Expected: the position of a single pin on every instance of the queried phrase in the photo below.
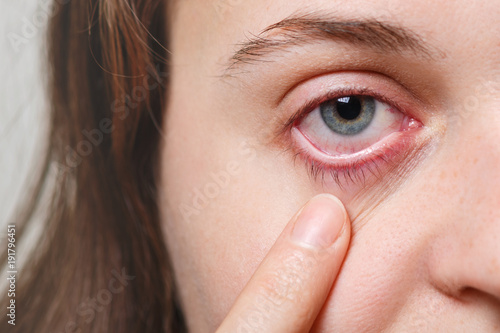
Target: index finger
(291, 284)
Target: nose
(468, 257)
(465, 256)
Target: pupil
(348, 108)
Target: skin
(424, 251)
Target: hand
(291, 284)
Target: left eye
(349, 124)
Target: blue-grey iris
(348, 115)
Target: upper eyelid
(375, 84)
(413, 94)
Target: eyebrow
(305, 29)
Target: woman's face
(258, 124)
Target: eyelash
(353, 172)
(348, 172)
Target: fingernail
(320, 222)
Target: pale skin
(418, 249)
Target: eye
(354, 127)
(349, 124)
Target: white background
(23, 107)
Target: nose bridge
(468, 255)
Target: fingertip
(321, 222)
(336, 201)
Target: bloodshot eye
(348, 115)
(347, 125)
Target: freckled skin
(426, 234)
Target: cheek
(225, 200)
(379, 272)
(385, 277)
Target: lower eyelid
(303, 141)
(356, 167)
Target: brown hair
(101, 265)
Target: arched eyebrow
(306, 29)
